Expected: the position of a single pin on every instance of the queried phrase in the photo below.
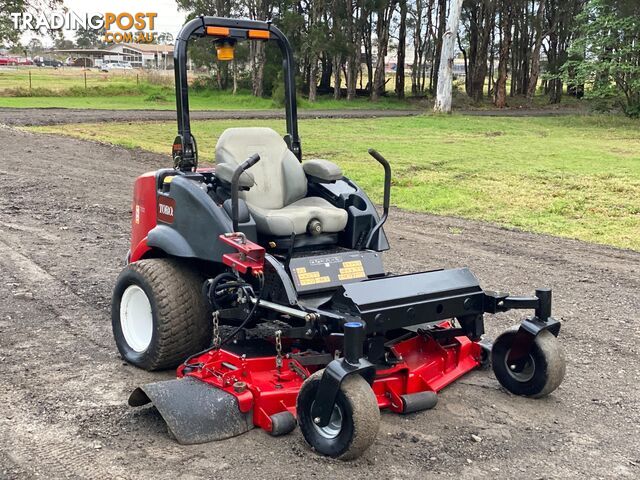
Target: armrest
(322, 171)
(224, 171)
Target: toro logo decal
(166, 209)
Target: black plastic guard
(194, 411)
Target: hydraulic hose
(231, 282)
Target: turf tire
(181, 324)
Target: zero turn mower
(262, 280)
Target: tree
(62, 43)
(402, 41)
(506, 22)
(165, 38)
(88, 37)
(445, 71)
(8, 33)
(608, 44)
(313, 45)
(35, 46)
(384, 13)
(435, 65)
(560, 21)
(535, 56)
(353, 33)
(258, 10)
(481, 18)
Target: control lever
(235, 186)
(387, 196)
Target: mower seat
(278, 200)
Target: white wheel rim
(136, 318)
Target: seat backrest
(279, 177)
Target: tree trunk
(481, 23)
(234, 67)
(535, 57)
(354, 34)
(257, 71)
(313, 80)
(337, 76)
(382, 32)
(442, 15)
(368, 50)
(492, 56)
(445, 71)
(258, 10)
(327, 72)
(417, 51)
(505, 45)
(402, 39)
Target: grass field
(65, 88)
(576, 177)
(197, 101)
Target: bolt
(316, 420)
(239, 387)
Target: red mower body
(143, 214)
(263, 388)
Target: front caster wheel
(541, 374)
(354, 422)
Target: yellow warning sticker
(353, 263)
(312, 278)
(351, 270)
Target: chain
(278, 349)
(216, 330)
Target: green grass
(65, 88)
(575, 176)
(197, 101)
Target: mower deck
(263, 389)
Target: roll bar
(185, 152)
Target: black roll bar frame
(184, 149)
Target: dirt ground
(64, 228)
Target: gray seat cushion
(322, 169)
(295, 218)
(278, 200)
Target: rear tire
(158, 314)
(354, 424)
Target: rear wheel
(542, 372)
(158, 314)
(354, 422)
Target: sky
(169, 18)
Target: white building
(139, 55)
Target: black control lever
(387, 196)
(235, 187)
